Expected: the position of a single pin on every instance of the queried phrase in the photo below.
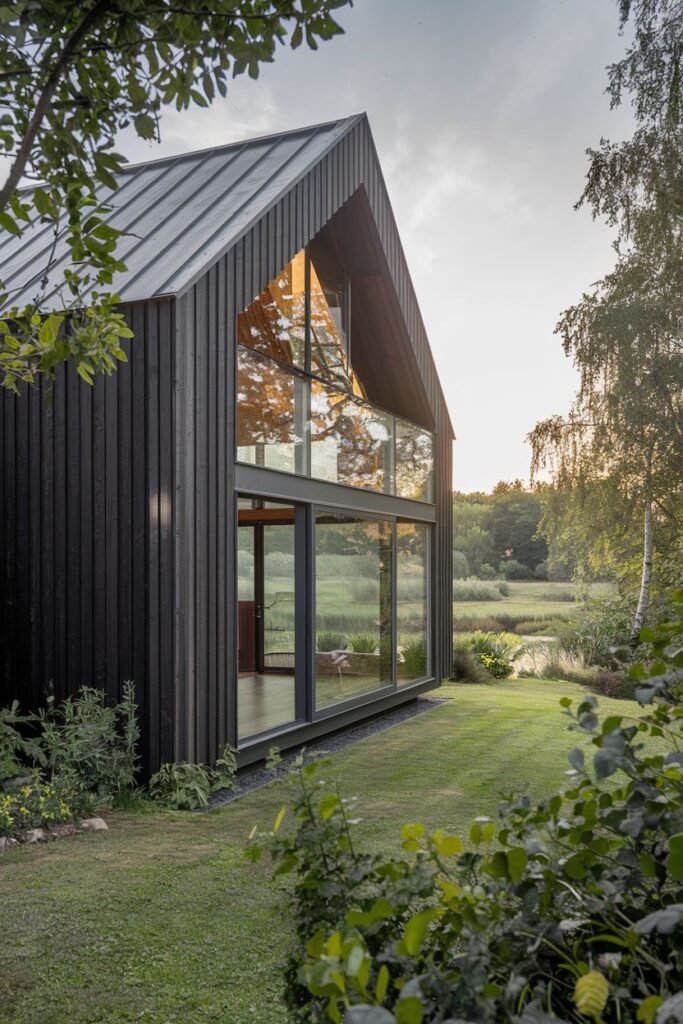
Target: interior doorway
(267, 610)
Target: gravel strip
(255, 776)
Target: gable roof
(180, 214)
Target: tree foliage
(71, 77)
(566, 909)
(489, 530)
(619, 451)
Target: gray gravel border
(256, 776)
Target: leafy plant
(34, 804)
(414, 654)
(181, 785)
(363, 643)
(91, 743)
(273, 758)
(467, 668)
(15, 748)
(225, 769)
(564, 909)
(494, 652)
(330, 642)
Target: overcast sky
(481, 111)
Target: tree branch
(44, 100)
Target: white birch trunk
(644, 597)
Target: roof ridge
(336, 121)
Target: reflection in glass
(414, 461)
(329, 320)
(274, 323)
(352, 607)
(270, 415)
(266, 589)
(350, 441)
(412, 609)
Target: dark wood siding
(86, 549)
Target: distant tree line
(495, 535)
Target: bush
(598, 633)
(362, 643)
(562, 910)
(475, 590)
(414, 655)
(541, 571)
(487, 572)
(33, 803)
(181, 785)
(493, 651)
(15, 749)
(467, 668)
(330, 642)
(461, 566)
(504, 589)
(92, 744)
(511, 569)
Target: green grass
(161, 919)
(530, 600)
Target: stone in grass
(94, 825)
(34, 835)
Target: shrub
(34, 804)
(15, 749)
(504, 589)
(598, 633)
(414, 655)
(330, 642)
(475, 590)
(181, 785)
(487, 572)
(493, 652)
(362, 643)
(564, 909)
(92, 744)
(541, 571)
(467, 668)
(511, 569)
(461, 566)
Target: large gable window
(300, 409)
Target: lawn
(161, 919)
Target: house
(251, 518)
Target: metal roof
(180, 214)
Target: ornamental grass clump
(568, 909)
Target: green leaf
(8, 223)
(409, 1010)
(674, 861)
(416, 930)
(328, 805)
(517, 862)
(278, 821)
(381, 984)
(647, 1010)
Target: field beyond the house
(162, 920)
(530, 607)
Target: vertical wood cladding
(86, 549)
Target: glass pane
(350, 441)
(353, 607)
(270, 414)
(266, 617)
(274, 322)
(414, 462)
(329, 316)
(412, 611)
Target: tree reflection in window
(414, 461)
(274, 323)
(270, 415)
(350, 442)
(329, 320)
